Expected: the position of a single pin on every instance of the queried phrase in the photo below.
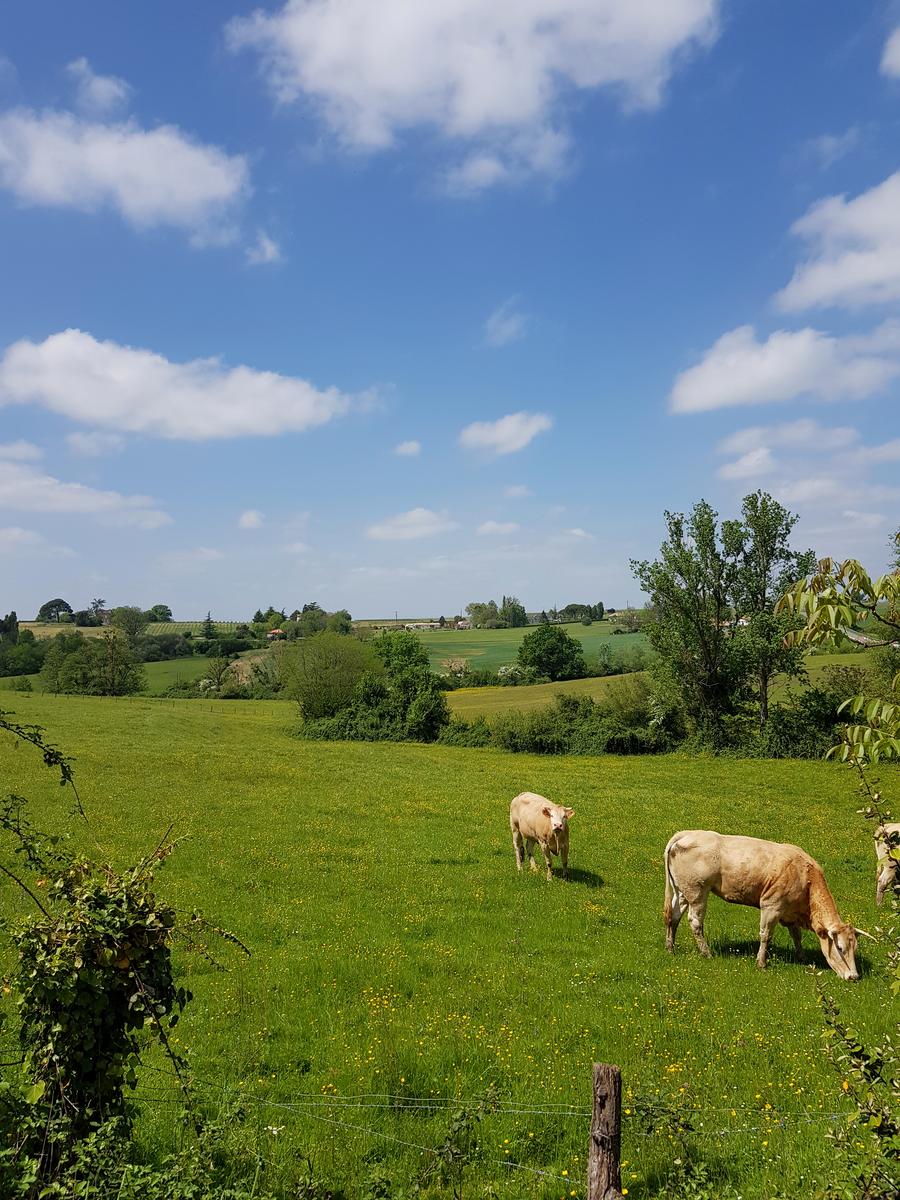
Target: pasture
(492, 648)
(400, 965)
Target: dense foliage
(550, 652)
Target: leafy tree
(545, 620)
(53, 609)
(321, 672)
(60, 647)
(691, 628)
(9, 629)
(339, 622)
(130, 620)
(159, 613)
(258, 617)
(218, 669)
(208, 629)
(480, 614)
(100, 666)
(98, 604)
(512, 611)
(312, 620)
(86, 618)
(550, 651)
(598, 611)
(766, 568)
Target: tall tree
(549, 650)
(512, 611)
(691, 624)
(52, 610)
(159, 612)
(9, 629)
(130, 620)
(766, 567)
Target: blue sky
(581, 261)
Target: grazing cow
(782, 881)
(533, 818)
(888, 867)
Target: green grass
(488, 701)
(193, 627)
(395, 949)
(493, 648)
(159, 675)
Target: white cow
(887, 836)
(782, 881)
(532, 818)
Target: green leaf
(35, 1092)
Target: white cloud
(252, 518)
(579, 533)
(890, 59)
(739, 370)
(97, 95)
(493, 78)
(14, 537)
(264, 250)
(855, 247)
(804, 434)
(26, 489)
(749, 466)
(417, 523)
(150, 177)
(505, 324)
(884, 453)
(866, 520)
(490, 528)
(20, 451)
(137, 391)
(408, 449)
(506, 435)
(517, 491)
(91, 445)
(828, 148)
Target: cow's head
(559, 816)
(839, 947)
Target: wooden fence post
(604, 1177)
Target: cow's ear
(570, 812)
(546, 811)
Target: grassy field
(489, 701)
(492, 648)
(159, 675)
(400, 964)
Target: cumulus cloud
(493, 78)
(750, 465)
(804, 434)
(20, 451)
(506, 435)
(579, 533)
(505, 324)
(855, 251)
(14, 537)
(136, 391)
(739, 370)
(251, 518)
(92, 445)
(407, 526)
(264, 250)
(150, 177)
(890, 59)
(97, 95)
(25, 488)
(491, 528)
(408, 449)
(517, 491)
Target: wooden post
(604, 1177)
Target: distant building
(423, 625)
(463, 624)
(275, 633)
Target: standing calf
(782, 881)
(533, 818)
(887, 837)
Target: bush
(458, 732)
(549, 650)
(321, 672)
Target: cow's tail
(672, 905)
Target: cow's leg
(768, 919)
(518, 848)
(529, 850)
(564, 859)
(696, 916)
(885, 879)
(797, 934)
(548, 860)
(673, 911)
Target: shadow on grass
(749, 947)
(588, 878)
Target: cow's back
(740, 869)
(526, 813)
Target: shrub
(549, 650)
(321, 672)
(458, 732)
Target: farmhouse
(423, 625)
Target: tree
(9, 629)
(480, 614)
(98, 604)
(159, 613)
(259, 617)
(129, 620)
(598, 611)
(442, 621)
(766, 568)
(691, 628)
(217, 670)
(208, 628)
(339, 622)
(86, 618)
(53, 609)
(101, 666)
(552, 652)
(321, 672)
(512, 611)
